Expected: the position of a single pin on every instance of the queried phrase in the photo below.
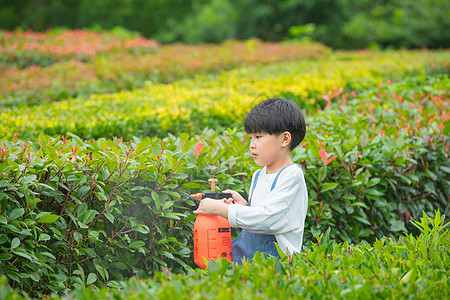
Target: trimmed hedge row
(392, 146)
(39, 68)
(215, 101)
(75, 213)
(389, 269)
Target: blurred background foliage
(343, 24)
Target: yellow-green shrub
(216, 101)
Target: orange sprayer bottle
(212, 233)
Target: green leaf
(365, 232)
(15, 243)
(362, 220)
(445, 169)
(22, 253)
(41, 214)
(212, 266)
(33, 201)
(43, 237)
(82, 225)
(374, 192)
(326, 186)
(78, 236)
(192, 185)
(173, 194)
(337, 208)
(146, 199)
(361, 204)
(89, 216)
(138, 188)
(45, 185)
(279, 267)
(161, 262)
(166, 254)
(48, 219)
(35, 276)
(349, 197)
(49, 255)
(406, 277)
(13, 276)
(16, 213)
(180, 176)
(83, 190)
(3, 238)
(92, 277)
(171, 216)
(142, 229)
(6, 256)
(280, 252)
(110, 218)
(156, 149)
(373, 181)
(136, 244)
(405, 179)
(102, 271)
(155, 197)
(398, 225)
(168, 204)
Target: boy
(278, 200)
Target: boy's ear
(286, 139)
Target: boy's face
(265, 148)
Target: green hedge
(410, 267)
(216, 101)
(392, 147)
(75, 213)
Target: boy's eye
(255, 136)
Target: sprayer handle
(217, 196)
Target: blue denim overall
(248, 243)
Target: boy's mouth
(254, 155)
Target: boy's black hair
(275, 116)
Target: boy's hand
(238, 199)
(210, 206)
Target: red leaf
(330, 159)
(323, 155)
(198, 148)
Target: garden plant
(94, 188)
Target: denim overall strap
(254, 184)
(274, 181)
(278, 175)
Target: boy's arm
(210, 206)
(220, 207)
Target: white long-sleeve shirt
(280, 212)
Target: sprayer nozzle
(198, 196)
